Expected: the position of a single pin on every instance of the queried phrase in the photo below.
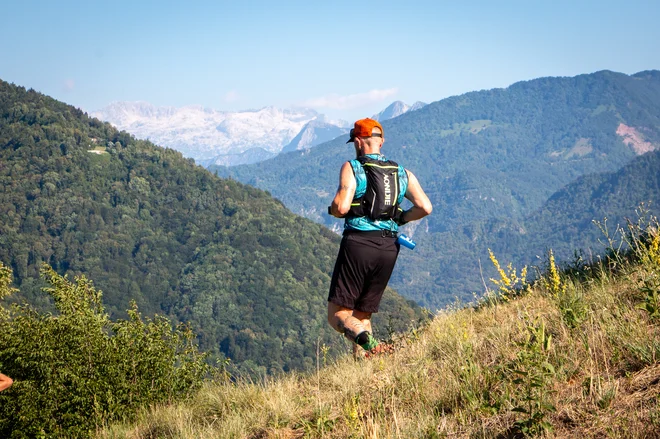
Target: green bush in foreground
(77, 370)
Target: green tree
(77, 369)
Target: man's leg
(352, 324)
(342, 320)
(365, 319)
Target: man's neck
(367, 151)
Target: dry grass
(460, 377)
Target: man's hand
(330, 212)
(398, 217)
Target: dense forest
(590, 210)
(487, 160)
(145, 224)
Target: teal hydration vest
(387, 183)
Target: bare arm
(5, 382)
(421, 204)
(341, 204)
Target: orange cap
(364, 128)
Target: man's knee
(362, 315)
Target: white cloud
(337, 102)
(232, 96)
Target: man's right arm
(341, 204)
(421, 204)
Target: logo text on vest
(388, 190)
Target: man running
(370, 191)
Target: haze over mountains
(224, 138)
(489, 160)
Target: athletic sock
(366, 340)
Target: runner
(371, 188)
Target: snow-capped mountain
(205, 134)
(395, 109)
(316, 132)
(213, 137)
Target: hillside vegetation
(147, 225)
(566, 220)
(77, 369)
(488, 160)
(575, 355)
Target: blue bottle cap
(406, 242)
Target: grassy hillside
(145, 224)
(488, 155)
(573, 356)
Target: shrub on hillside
(78, 369)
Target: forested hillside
(610, 198)
(575, 222)
(487, 159)
(143, 223)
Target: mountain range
(225, 138)
(396, 109)
(315, 132)
(489, 161)
(203, 133)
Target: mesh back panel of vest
(380, 200)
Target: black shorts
(363, 269)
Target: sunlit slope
(574, 356)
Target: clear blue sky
(346, 59)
